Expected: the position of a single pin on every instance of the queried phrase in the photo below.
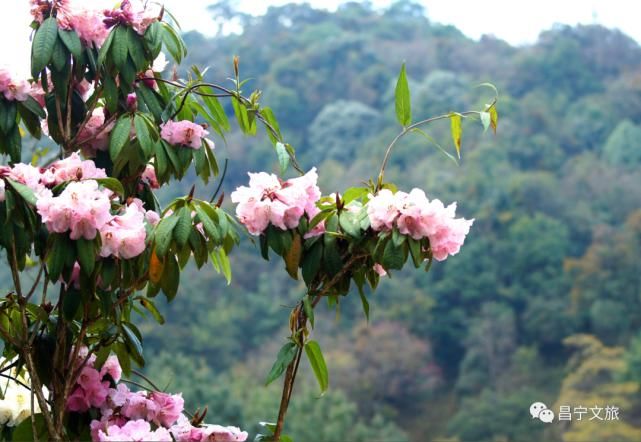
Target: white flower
(15, 400)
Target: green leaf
(163, 234)
(86, 255)
(8, 114)
(24, 431)
(25, 192)
(457, 132)
(104, 49)
(136, 50)
(72, 42)
(364, 303)
(225, 264)
(283, 157)
(494, 118)
(142, 133)
(208, 224)
(43, 44)
(486, 120)
(403, 107)
(119, 136)
(270, 118)
(350, 224)
(56, 258)
(111, 184)
(285, 356)
(170, 278)
(354, 193)
(317, 361)
(415, 251)
(312, 262)
(123, 357)
(71, 304)
(216, 109)
(133, 343)
(149, 305)
(393, 256)
(183, 226)
(60, 56)
(34, 107)
(120, 47)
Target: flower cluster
(125, 415)
(15, 401)
(183, 133)
(13, 89)
(124, 236)
(135, 13)
(281, 203)
(84, 208)
(414, 215)
(87, 22)
(92, 24)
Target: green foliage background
(542, 304)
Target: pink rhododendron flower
(83, 208)
(95, 135)
(414, 215)
(32, 177)
(112, 368)
(134, 430)
(133, 13)
(12, 88)
(268, 200)
(380, 270)
(183, 431)
(149, 176)
(124, 236)
(78, 401)
(73, 168)
(88, 22)
(183, 133)
(169, 409)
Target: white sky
(516, 21)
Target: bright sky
(518, 22)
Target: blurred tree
(623, 146)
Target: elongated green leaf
(86, 255)
(208, 224)
(120, 47)
(283, 359)
(149, 305)
(415, 251)
(136, 50)
(119, 136)
(183, 226)
(494, 118)
(32, 105)
(142, 133)
(25, 192)
(216, 109)
(8, 114)
(170, 278)
(104, 49)
(283, 157)
(403, 106)
(270, 118)
(71, 303)
(163, 234)
(133, 343)
(393, 257)
(457, 132)
(56, 258)
(225, 264)
(312, 262)
(317, 361)
(72, 42)
(43, 44)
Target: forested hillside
(542, 304)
